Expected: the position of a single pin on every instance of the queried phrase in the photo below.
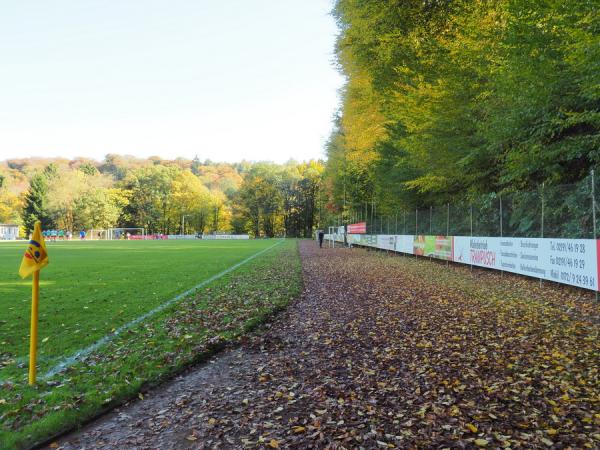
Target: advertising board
(358, 228)
(567, 261)
(386, 241)
(433, 246)
(405, 243)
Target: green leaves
(447, 99)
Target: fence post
(500, 196)
(430, 219)
(448, 229)
(430, 225)
(594, 214)
(471, 208)
(372, 207)
(416, 226)
(396, 226)
(416, 221)
(542, 224)
(404, 227)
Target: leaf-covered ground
(388, 352)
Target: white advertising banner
(405, 243)
(386, 242)
(567, 261)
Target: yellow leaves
(191, 437)
(454, 411)
(472, 428)
(45, 339)
(273, 443)
(299, 429)
(212, 421)
(480, 442)
(551, 431)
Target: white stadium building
(8, 232)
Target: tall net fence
(562, 211)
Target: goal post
(96, 234)
(110, 234)
(126, 233)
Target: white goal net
(126, 233)
(111, 234)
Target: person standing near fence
(321, 236)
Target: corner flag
(36, 256)
(34, 259)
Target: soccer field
(91, 288)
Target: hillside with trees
(262, 199)
(446, 101)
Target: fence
(549, 233)
(563, 211)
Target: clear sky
(226, 80)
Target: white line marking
(66, 362)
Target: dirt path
(393, 358)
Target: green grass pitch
(90, 288)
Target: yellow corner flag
(36, 255)
(34, 259)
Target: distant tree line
(262, 199)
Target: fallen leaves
(472, 428)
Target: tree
(260, 200)
(149, 192)
(35, 204)
(192, 199)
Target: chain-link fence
(563, 211)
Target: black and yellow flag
(36, 255)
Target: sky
(225, 80)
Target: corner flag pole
(35, 298)
(34, 259)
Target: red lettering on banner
(483, 257)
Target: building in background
(8, 232)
